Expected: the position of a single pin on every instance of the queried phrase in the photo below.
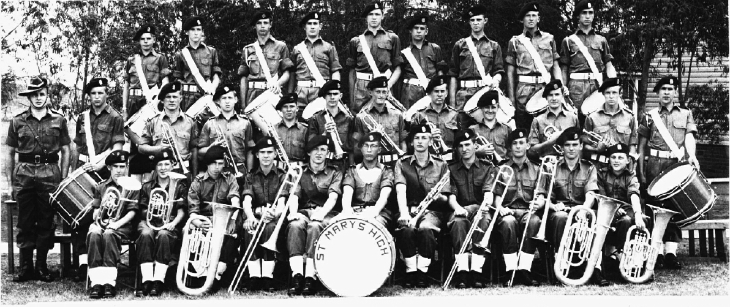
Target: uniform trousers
(512, 226)
(302, 233)
(410, 94)
(261, 252)
(33, 186)
(105, 245)
(654, 166)
(421, 239)
(459, 228)
(306, 95)
(579, 91)
(156, 245)
(523, 93)
(359, 96)
(462, 95)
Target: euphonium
(291, 180)
(112, 203)
(584, 240)
(335, 136)
(640, 253)
(159, 209)
(505, 173)
(376, 127)
(201, 250)
(167, 137)
(228, 154)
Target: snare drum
(683, 189)
(263, 108)
(354, 256)
(592, 103)
(72, 200)
(203, 109)
(135, 125)
(537, 104)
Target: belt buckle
(37, 159)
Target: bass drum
(354, 256)
(72, 200)
(683, 189)
(505, 113)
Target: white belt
(582, 76)
(599, 158)
(257, 84)
(83, 158)
(388, 158)
(532, 79)
(663, 154)
(186, 163)
(135, 92)
(473, 83)
(311, 83)
(368, 77)
(189, 88)
(413, 81)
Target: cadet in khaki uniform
(467, 79)
(556, 116)
(324, 56)
(442, 116)
(384, 46)
(278, 62)
(681, 126)
(155, 70)
(612, 122)
(491, 129)
(428, 57)
(342, 123)
(292, 133)
(205, 59)
(415, 176)
(311, 211)
(390, 118)
(524, 77)
(36, 135)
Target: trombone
(376, 127)
(228, 155)
(430, 197)
(167, 137)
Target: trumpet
(201, 250)
(228, 155)
(291, 180)
(597, 138)
(376, 127)
(430, 197)
(584, 240)
(111, 207)
(395, 103)
(280, 152)
(167, 137)
(640, 253)
(439, 146)
(506, 173)
(160, 204)
(482, 141)
(335, 136)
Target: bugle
(640, 253)
(482, 141)
(335, 136)
(280, 152)
(112, 203)
(228, 154)
(395, 103)
(161, 202)
(439, 145)
(430, 197)
(376, 127)
(506, 173)
(597, 138)
(167, 138)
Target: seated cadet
(514, 210)
(385, 114)
(575, 185)
(443, 117)
(367, 185)
(259, 204)
(105, 243)
(613, 123)
(541, 144)
(415, 176)
(292, 133)
(216, 186)
(491, 129)
(618, 181)
(155, 246)
(311, 211)
(468, 178)
(338, 122)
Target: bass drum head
(354, 257)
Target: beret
(222, 90)
(611, 82)
(117, 156)
(415, 129)
(378, 82)
(516, 134)
(474, 11)
(570, 134)
(287, 98)
(165, 154)
(490, 98)
(170, 87)
(555, 84)
(463, 135)
(375, 5)
(214, 153)
(192, 22)
(370, 137)
(96, 82)
(144, 29)
(265, 142)
(319, 140)
(417, 20)
(671, 80)
(35, 85)
(262, 14)
(308, 17)
(436, 81)
(528, 7)
(582, 5)
(331, 85)
(618, 148)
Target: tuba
(159, 210)
(201, 250)
(639, 258)
(506, 173)
(111, 207)
(167, 137)
(335, 136)
(291, 180)
(376, 127)
(228, 155)
(582, 241)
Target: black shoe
(24, 275)
(267, 284)
(157, 286)
(671, 262)
(477, 280)
(460, 280)
(659, 262)
(297, 281)
(509, 277)
(43, 274)
(110, 291)
(97, 291)
(146, 287)
(525, 278)
(422, 280)
(410, 280)
(254, 284)
(598, 279)
(80, 273)
(309, 286)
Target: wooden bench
(712, 229)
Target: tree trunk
(649, 50)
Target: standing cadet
(105, 241)
(532, 61)
(156, 247)
(36, 135)
(172, 125)
(259, 204)
(584, 57)
(332, 120)
(469, 178)
(315, 62)
(311, 210)
(415, 176)
(491, 129)
(256, 78)
(470, 75)
(102, 127)
(374, 53)
(237, 130)
(385, 115)
(612, 123)
(196, 65)
(556, 117)
(144, 74)
(680, 125)
(292, 133)
(423, 60)
(442, 116)
(515, 209)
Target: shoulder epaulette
(303, 124)
(627, 109)
(437, 158)
(199, 176)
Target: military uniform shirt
(429, 57)
(367, 193)
(315, 187)
(390, 118)
(597, 46)
(465, 68)
(325, 58)
(238, 133)
(46, 136)
(521, 189)
(345, 127)
(420, 180)
(618, 126)
(263, 187)
(277, 60)
(294, 140)
(518, 56)
(155, 68)
(570, 187)
(384, 46)
(204, 57)
(107, 129)
(620, 187)
(183, 130)
(446, 120)
(469, 182)
(679, 121)
(206, 189)
(562, 120)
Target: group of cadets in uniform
(370, 177)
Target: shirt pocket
(678, 129)
(384, 51)
(26, 137)
(596, 51)
(545, 50)
(430, 64)
(624, 132)
(528, 186)
(323, 184)
(205, 63)
(487, 55)
(153, 72)
(579, 188)
(103, 133)
(466, 60)
(272, 60)
(253, 64)
(51, 135)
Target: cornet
(111, 207)
(159, 210)
(228, 154)
(482, 141)
(439, 146)
(376, 127)
(335, 136)
(280, 152)
(640, 253)
(597, 138)
(167, 137)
